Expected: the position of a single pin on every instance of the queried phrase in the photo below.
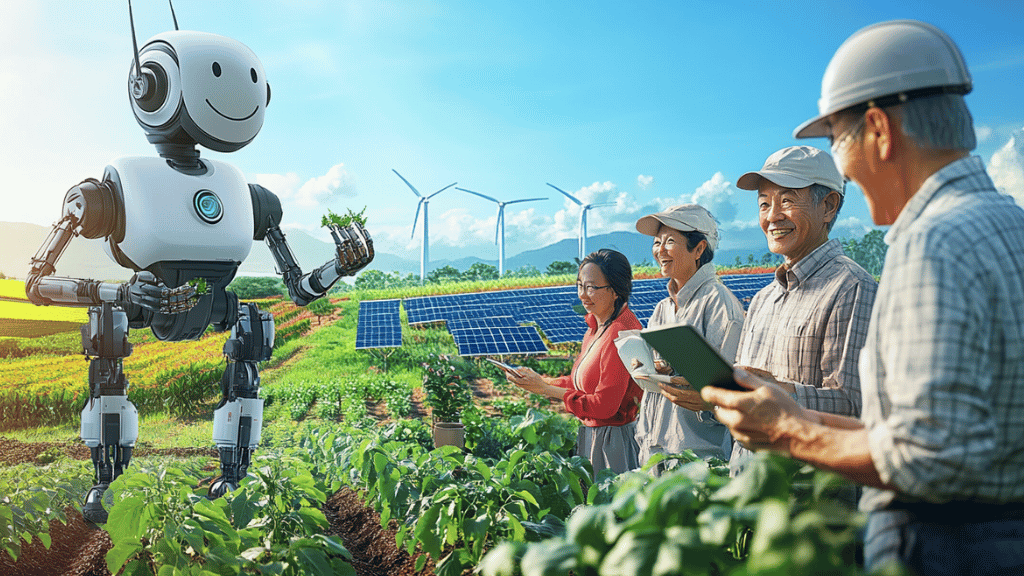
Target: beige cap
(796, 167)
(685, 218)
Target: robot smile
(251, 114)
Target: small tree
(321, 307)
(444, 275)
(248, 287)
(560, 267)
(446, 382)
(480, 271)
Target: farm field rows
(347, 479)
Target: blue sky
(645, 104)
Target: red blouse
(603, 394)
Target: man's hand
(682, 394)
(147, 291)
(761, 419)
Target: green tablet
(690, 355)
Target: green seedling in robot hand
(345, 220)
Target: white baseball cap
(684, 218)
(796, 167)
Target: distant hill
(87, 259)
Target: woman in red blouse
(599, 391)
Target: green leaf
(120, 553)
(550, 558)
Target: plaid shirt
(943, 366)
(808, 327)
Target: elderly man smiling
(805, 330)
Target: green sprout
(199, 284)
(342, 221)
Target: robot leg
(110, 423)
(238, 419)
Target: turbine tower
(499, 228)
(424, 201)
(583, 217)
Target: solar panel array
(379, 325)
(744, 286)
(485, 323)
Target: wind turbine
(424, 201)
(583, 217)
(499, 228)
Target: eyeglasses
(840, 143)
(589, 289)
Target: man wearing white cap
(805, 330)
(940, 445)
(685, 238)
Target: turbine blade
(567, 195)
(479, 194)
(416, 217)
(524, 200)
(413, 188)
(498, 223)
(442, 190)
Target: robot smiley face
(218, 88)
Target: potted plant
(446, 383)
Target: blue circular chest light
(208, 206)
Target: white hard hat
(885, 64)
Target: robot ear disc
(268, 93)
(154, 93)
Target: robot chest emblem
(208, 206)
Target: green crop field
(515, 500)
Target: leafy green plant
(446, 382)
(344, 220)
(694, 520)
(30, 497)
(272, 524)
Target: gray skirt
(609, 447)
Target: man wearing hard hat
(940, 443)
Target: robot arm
(353, 243)
(93, 210)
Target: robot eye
(216, 69)
(252, 72)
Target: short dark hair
(616, 269)
(818, 194)
(693, 238)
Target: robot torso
(170, 216)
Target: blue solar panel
(500, 340)
(559, 329)
(379, 325)
(488, 322)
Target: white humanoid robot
(175, 219)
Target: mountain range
(86, 258)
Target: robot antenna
(173, 17)
(138, 80)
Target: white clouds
(317, 191)
(717, 196)
(644, 182)
(1007, 167)
(982, 133)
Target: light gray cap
(684, 218)
(796, 167)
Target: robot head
(198, 88)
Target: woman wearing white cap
(685, 238)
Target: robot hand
(146, 291)
(355, 248)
